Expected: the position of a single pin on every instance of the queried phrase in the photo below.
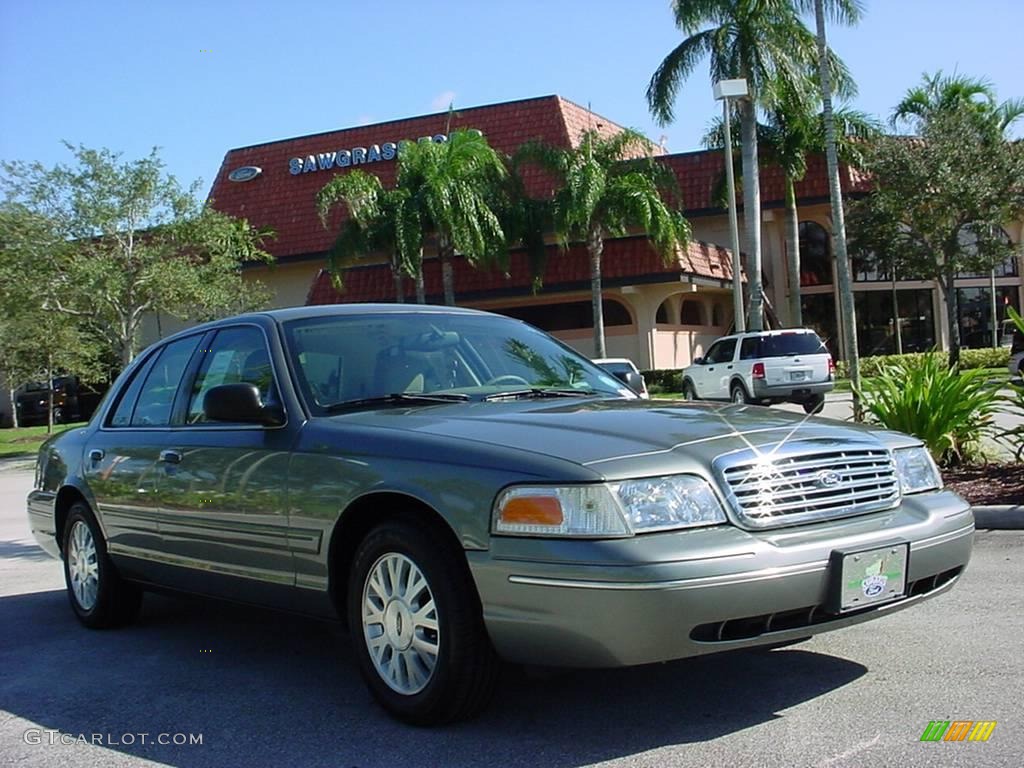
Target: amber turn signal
(532, 510)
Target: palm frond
(676, 67)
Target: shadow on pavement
(265, 688)
(22, 551)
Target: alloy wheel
(83, 566)
(400, 624)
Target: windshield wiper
(399, 397)
(526, 394)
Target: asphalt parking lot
(263, 689)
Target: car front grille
(808, 481)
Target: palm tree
(605, 193)
(380, 221)
(848, 12)
(452, 191)
(792, 130)
(941, 94)
(756, 41)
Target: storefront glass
(876, 333)
(976, 313)
(819, 314)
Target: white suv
(787, 366)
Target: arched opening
(568, 315)
(691, 312)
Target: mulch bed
(987, 483)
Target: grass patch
(25, 441)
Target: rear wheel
(738, 394)
(99, 596)
(815, 405)
(417, 625)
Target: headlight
(916, 470)
(613, 510)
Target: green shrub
(970, 359)
(663, 380)
(949, 411)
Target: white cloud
(442, 100)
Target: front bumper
(671, 595)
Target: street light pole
(724, 90)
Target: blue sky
(198, 78)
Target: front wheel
(417, 625)
(689, 391)
(99, 596)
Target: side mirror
(240, 403)
(698, 361)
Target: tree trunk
(421, 290)
(952, 317)
(793, 252)
(446, 254)
(752, 212)
(14, 409)
(897, 326)
(49, 394)
(595, 247)
(847, 313)
(396, 275)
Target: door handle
(729, 367)
(95, 454)
(170, 457)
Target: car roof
(287, 314)
(612, 360)
(762, 334)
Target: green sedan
(461, 489)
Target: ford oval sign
(245, 173)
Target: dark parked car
(461, 488)
(72, 401)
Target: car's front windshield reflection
(348, 359)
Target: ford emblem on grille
(827, 478)
(245, 173)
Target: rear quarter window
(783, 345)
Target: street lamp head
(730, 89)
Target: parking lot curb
(23, 463)
(999, 517)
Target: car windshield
(356, 359)
(786, 344)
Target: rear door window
(156, 397)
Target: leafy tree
(761, 42)
(604, 193)
(380, 221)
(130, 241)
(451, 188)
(940, 94)
(939, 202)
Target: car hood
(613, 437)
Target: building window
(691, 313)
(975, 308)
(717, 314)
(1006, 268)
(568, 316)
(815, 254)
(876, 332)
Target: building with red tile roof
(661, 314)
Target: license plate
(869, 576)
(797, 375)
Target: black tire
(815, 405)
(116, 602)
(465, 672)
(738, 394)
(689, 391)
